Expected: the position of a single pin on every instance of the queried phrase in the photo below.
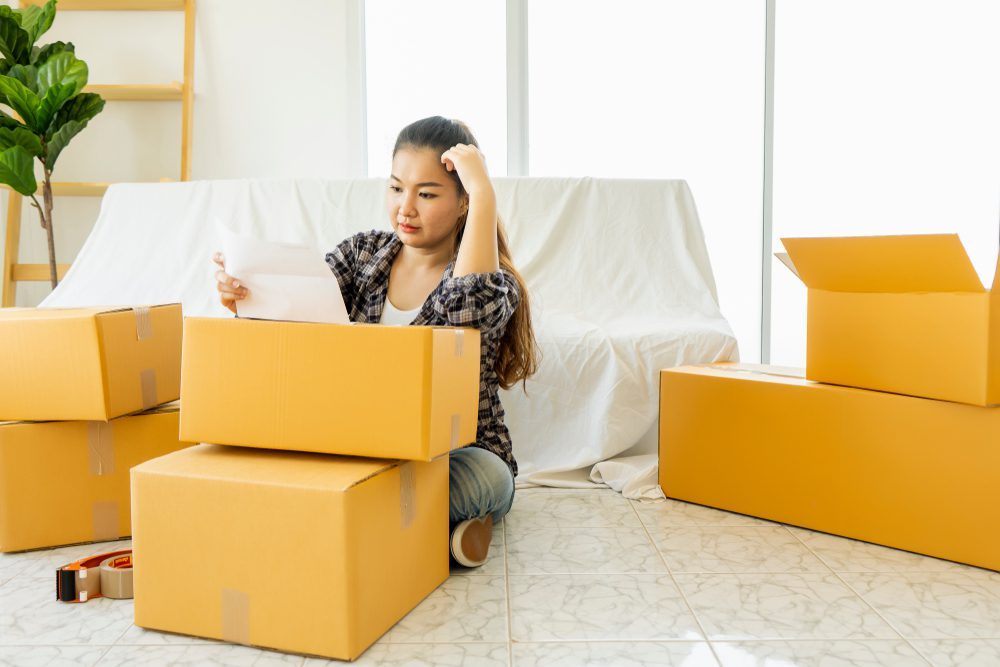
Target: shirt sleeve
(342, 260)
(484, 301)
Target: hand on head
(230, 289)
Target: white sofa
(620, 281)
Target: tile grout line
(506, 586)
(673, 579)
(861, 597)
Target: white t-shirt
(393, 315)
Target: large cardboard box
(896, 470)
(906, 314)
(361, 390)
(307, 553)
(68, 482)
(88, 363)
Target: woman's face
(422, 199)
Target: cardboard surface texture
(896, 470)
(904, 314)
(88, 363)
(361, 390)
(299, 552)
(68, 482)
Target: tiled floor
(589, 578)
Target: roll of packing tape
(116, 577)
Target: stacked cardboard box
(892, 436)
(318, 516)
(85, 394)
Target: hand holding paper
(286, 282)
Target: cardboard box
(905, 472)
(68, 482)
(300, 552)
(361, 390)
(906, 314)
(88, 363)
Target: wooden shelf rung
(35, 272)
(139, 92)
(113, 5)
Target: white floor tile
(613, 654)
(780, 606)
(598, 607)
(50, 656)
(570, 509)
(846, 555)
(663, 514)
(429, 655)
(462, 609)
(871, 653)
(735, 549)
(960, 652)
(30, 614)
(935, 605)
(197, 655)
(544, 550)
(136, 636)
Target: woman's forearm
(478, 252)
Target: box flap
(263, 466)
(917, 263)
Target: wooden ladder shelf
(175, 91)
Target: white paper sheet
(285, 282)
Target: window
(885, 123)
(436, 57)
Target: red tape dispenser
(106, 575)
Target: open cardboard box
(903, 314)
(359, 390)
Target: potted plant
(42, 86)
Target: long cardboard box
(896, 470)
(906, 314)
(88, 363)
(68, 482)
(387, 392)
(306, 553)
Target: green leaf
(26, 74)
(36, 20)
(17, 169)
(7, 121)
(15, 43)
(20, 99)
(81, 108)
(22, 137)
(60, 140)
(64, 68)
(40, 55)
(9, 12)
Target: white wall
(276, 95)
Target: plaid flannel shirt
(484, 301)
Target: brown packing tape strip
(105, 513)
(456, 422)
(116, 582)
(88, 583)
(235, 616)
(143, 323)
(100, 448)
(147, 378)
(407, 495)
(459, 342)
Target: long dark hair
(517, 357)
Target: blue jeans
(480, 483)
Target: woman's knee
(481, 483)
